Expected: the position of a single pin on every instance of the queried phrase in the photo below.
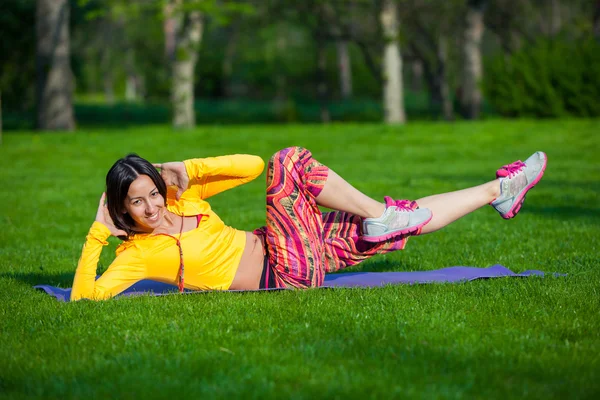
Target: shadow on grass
(564, 212)
(64, 280)
(454, 368)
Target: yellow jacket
(212, 251)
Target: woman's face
(145, 204)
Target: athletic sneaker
(400, 217)
(516, 180)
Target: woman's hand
(174, 174)
(103, 216)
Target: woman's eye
(154, 194)
(136, 202)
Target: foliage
(17, 53)
(550, 78)
(494, 339)
(265, 50)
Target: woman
(171, 234)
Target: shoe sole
(520, 199)
(406, 231)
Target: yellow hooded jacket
(212, 251)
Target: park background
(402, 97)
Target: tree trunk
(132, 80)
(280, 74)
(131, 88)
(442, 78)
(169, 27)
(393, 93)
(596, 21)
(54, 87)
(228, 58)
(416, 81)
(322, 90)
(435, 73)
(107, 77)
(345, 69)
(471, 96)
(188, 34)
(555, 17)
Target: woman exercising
(170, 234)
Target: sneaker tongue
(405, 205)
(509, 169)
(501, 173)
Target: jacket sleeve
(124, 271)
(209, 176)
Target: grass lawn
(504, 338)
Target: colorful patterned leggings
(302, 243)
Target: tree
(184, 27)
(555, 17)
(428, 25)
(342, 28)
(119, 47)
(17, 66)
(470, 96)
(107, 64)
(183, 35)
(54, 75)
(596, 20)
(345, 68)
(393, 91)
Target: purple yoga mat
(344, 280)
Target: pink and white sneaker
(516, 180)
(401, 217)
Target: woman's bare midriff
(250, 269)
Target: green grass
(505, 338)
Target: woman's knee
(287, 154)
(297, 165)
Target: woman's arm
(122, 273)
(209, 176)
(217, 174)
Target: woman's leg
(293, 233)
(338, 194)
(301, 244)
(510, 189)
(448, 207)
(380, 221)
(345, 245)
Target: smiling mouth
(153, 217)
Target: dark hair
(119, 178)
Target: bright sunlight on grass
(504, 338)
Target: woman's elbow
(258, 166)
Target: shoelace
(510, 170)
(402, 205)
